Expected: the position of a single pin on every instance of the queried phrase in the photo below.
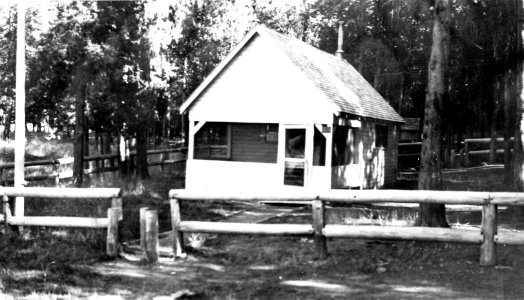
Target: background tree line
(122, 68)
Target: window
(345, 146)
(340, 154)
(295, 164)
(295, 143)
(213, 141)
(254, 142)
(381, 136)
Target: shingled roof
(337, 79)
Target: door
(297, 155)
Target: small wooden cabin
(277, 112)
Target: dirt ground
(45, 265)
(276, 268)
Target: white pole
(20, 106)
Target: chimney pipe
(340, 40)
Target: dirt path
(254, 213)
(255, 267)
(283, 268)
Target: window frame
(211, 156)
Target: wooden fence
(114, 214)
(487, 236)
(101, 163)
(468, 152)
(412, 150)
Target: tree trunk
(518, 152)
(493, 121)
(8, 121)
(20, 119)
(166, 125)
(106, 143)
(141, 154)
(448, 146)
(78, 164)
(86, 136)
(97, 142)
(430, 178)
(509, 116)
(124, 156)
(378, 71)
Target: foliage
(171, 48)
(135, 63)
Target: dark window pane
(341, 148)
(295, 143)
(294, 173)
(254, 142)
(381, 136)
(212, 141)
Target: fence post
(318, 226)
(112, 163)
(446, 155)
(113, 215)
(178, 236)
(143, 230)
(4, 176)
(117, 203)
(56, 168)
(152, 251)
(452, 158)
(466, 154)
(163, 159)
(489, 229)
(6, 211)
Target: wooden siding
(391, 163)
(261, 85)
(249, 144)
(379, 167)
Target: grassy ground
(70, 264)
(38, 147)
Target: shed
(410, 130)
(279, 113)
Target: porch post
(329, 150)
(191, 141)
(281, 152)
(310, 129)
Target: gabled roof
(337, 79)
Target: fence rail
(467, 152)
(114, 214)
(99, 165)
(487, 236)
(409, 155)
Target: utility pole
(20, 106)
